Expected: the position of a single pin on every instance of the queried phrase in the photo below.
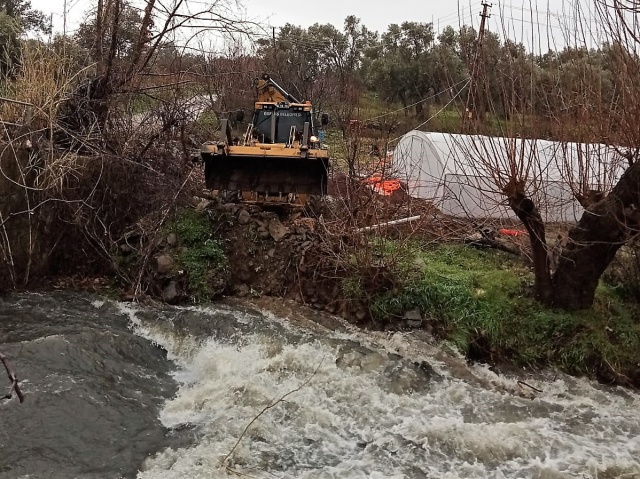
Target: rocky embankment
(278, 251)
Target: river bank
(476, 300)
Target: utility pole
(275, 48)
(470, 112)
(64, 19)
(484, 15)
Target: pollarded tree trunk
(593, 243)
(525, 209)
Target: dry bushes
(623, 275)
(360, 253)
(70, 194)
(30, 177)
(48, 76)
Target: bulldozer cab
(287, 121)
(281, 123)
(279, 154)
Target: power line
(437, 113)
(418, 102)
(463, 16)
(467, 14)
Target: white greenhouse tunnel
(456, 172)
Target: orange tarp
(381, 186)
(508, 232)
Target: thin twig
(238, 473)
(522, 383)
(269, 406)
(13, 378)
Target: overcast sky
(514, 17)
(378, 14)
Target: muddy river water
(118, 390)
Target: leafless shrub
(108, 141)
(623, 274)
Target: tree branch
(270, 406)
(15, 387)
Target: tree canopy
(28, 18)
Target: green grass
(138, 104)
(200, 254)
(480, 300)
(209, 120)
(448, 120)
(371, 105)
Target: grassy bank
(199, 253)
(480, 300)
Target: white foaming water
(359, 413)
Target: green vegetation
(202, 256)
(516, 90)
(209, 121)
(9, 44)
(480, 300)
(447, 121)
(138, 104)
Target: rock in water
(170, 293)
(413, 318)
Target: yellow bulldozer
(278, 159)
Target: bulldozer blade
(266, 175)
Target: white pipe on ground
(388, 223)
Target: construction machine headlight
(314, 139)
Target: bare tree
(596, 162)
(161, 24)
(89, 165)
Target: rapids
(117, 390)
